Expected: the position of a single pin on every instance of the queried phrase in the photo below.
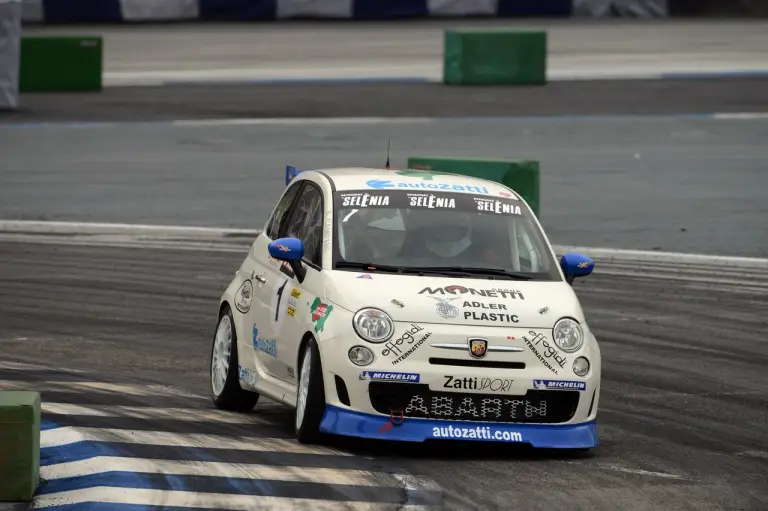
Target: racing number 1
(279, 298)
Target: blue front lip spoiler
(339, 421)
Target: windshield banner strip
(396, 199)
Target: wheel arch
(303, 344)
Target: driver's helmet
(445, 235)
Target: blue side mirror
(287, 249)
(576, 265)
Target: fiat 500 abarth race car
(409, 305)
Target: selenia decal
(320, 312)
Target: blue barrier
(112, 11)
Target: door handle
(261, 278)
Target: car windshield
(457, 234)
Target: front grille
(417, 400)
(475, 363)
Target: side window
(279, 213)
(306, 222)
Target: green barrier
(476, 56)
(19, 445)
(60, 64)
(521, 176)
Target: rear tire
(310, 395)
(224, 378)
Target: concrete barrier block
(61, 64)
(19, 445)
(520, 176)
(477, 56)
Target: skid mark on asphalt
(107, 445)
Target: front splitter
(339, 421)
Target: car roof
(357, 178)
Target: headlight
(581, 366)
(360, 355)
(373, 325)
(568, 335)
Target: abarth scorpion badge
(478, 347)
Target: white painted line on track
(18, 366)
(71, 434)
(200, 233)
(103, 464)
(221, 501)
(393, 121)
(140, 412)
(81, 386)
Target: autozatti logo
(386, 183)
(364, 200)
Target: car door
(304, 300)
(305, 223)
(270, 280)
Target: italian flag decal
(320, 312)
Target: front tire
(310, 395)
(225, 385)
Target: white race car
(409, 306)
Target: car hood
(460, 301)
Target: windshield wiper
(482, 271)
(368, 266)
(458, 272)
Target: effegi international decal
(363, 200)
(410, 339)
(320, 312)
(461, 290)
(268, 346)
(492, 316)
(559, 385)
(389, 376)
(544, 351)
(497, 206)
(379, 184)
(478, 384)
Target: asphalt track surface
(650, 183)
(238, 101)
(682, 413)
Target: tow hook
(393, 420)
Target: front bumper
(340, 421)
